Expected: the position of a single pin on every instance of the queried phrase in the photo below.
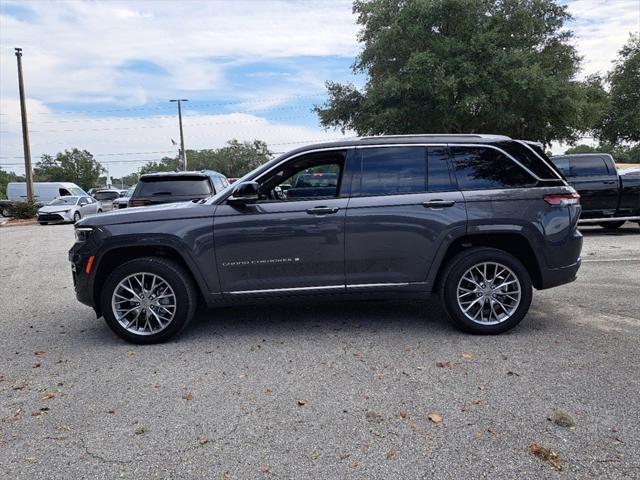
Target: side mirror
(245, 192)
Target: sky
(99, 75)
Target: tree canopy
(463, 66)
(77, 166)
(5, 178)
(621, 118)
(233, 160)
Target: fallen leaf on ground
(35, 365)
(468, 356)
(374, 417)
(48, 396)
(546, 455)
(446, 364)
(187, 396)
(302, 403)
(36, 414)
(131, 354)
(391, 453)
(268, 391)
(434, 417)
(39, 354)
(20, 386)
(111, 411)
(492, 431)
(264, 471)
(562, 418)
(482, 387)
(344, 456)
(202, 439)
(140, 431)
(403, 414)
(477, 402)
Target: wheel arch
(116, 256)
(515, 244)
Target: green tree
(233, 160)
(77, 166)
(5, 178)
(621, 120)
(620, 153)
(462, 66)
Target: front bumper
(82, 282)
(56, 217)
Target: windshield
(64, 201)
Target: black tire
(5, 212)
(611, 225)
(99, 210)
(454, 271)
(179, 280)
(76, 217)
(43, 223)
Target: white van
(43, 192)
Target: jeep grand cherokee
(480, 219)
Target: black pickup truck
(608, 198)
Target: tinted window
(438, 175)
(106, 195)
(393, 170)
(217, 184)
(174, 186)
(526, 155)
(483, 168)
(563, 165)
(588, 166)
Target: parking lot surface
(320, 390)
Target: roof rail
(458, 135)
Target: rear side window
(563, 166)
(588, 166)
(174, 186)
(393, 170)
(526, 155)
(439, 177)
(217, 184)
(483, 168)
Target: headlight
(83, 234)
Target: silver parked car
(68, 209)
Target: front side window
(305, 178)
(393, 170)
(484, 168)
(588, 166)
(563, 166)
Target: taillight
(566, 199)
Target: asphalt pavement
(320, 390)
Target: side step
(609, 219)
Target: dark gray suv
(481, 219)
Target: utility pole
(25, 129)
(183, 153)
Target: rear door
(404, 203)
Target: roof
(194, 173)
(406, 139)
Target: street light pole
(25, 129)
(183, 153)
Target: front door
(404, 203)
(292, 239)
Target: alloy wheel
(143, 303)
(489, 293)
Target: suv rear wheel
(486, 291)
(148, 300)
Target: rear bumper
(552, 277)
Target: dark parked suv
(169, 187)
(480, 219)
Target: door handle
(438, 203)
(322, 210)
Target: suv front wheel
(148, 300)
(486, 291)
